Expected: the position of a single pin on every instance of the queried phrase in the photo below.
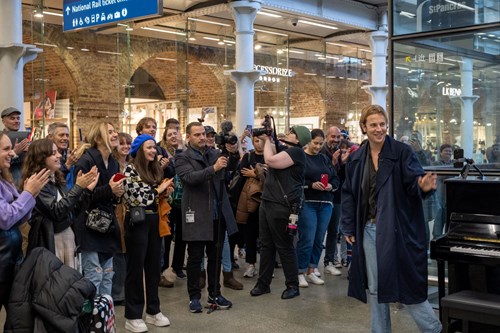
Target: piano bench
(468, 305)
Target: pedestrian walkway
(318, 308)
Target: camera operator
(202, 170)
(281, 199)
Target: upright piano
(471, 244)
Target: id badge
(190, 216)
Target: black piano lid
(472, 196)
(474, 227)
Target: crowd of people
(118, 203)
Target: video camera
(225, 135)
(266, 129)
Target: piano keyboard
(475, 251)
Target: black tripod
(469, 162)
(219, 240)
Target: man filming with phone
(279, 209)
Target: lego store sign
(81, 14)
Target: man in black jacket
(206, 212)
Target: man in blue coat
(382, 218)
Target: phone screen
(249, 129)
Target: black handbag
(137, 215)
(99, 220)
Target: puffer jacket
(46, 296)
(250, 196)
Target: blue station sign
(81, 14)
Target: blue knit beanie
(138, 143)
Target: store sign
(453, 92)
(80, 14)
(272, 73)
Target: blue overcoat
(401, 235)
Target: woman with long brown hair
(98, 247)
(55, 208)
(144, 187)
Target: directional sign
(80, 14)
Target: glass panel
(446, 92)
(430, 15)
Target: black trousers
(196, 253)
(251, 236)
(273, 221)
(143, 255)
(179, 245)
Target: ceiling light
(165, 59)
(257, 47)
(407, 14)
(221, 42)
(365, 50)
(211, 38)
(109, 52)
(209, 22)
(294, 51)
(229, 41)
(192, 38)
(336, 44)
(51, 13)
(269, 14)
(279, 51)
(164, 31)
(70, 48)
(129, 29)
(311, 74)
(38, 13)
(85, 50)
(459, 5)
(45, 44)
(271, 32)
(207, 64)
(321, 25)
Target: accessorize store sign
(272, 74)
(80, 14)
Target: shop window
(445, 91)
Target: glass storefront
(444, 100)
(431, 15)
(446, 92)
(182, 72)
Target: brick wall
(95, 81)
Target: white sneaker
(317, 272)
(250, 272)
(302, 281)
(312, 278)
(337, 264)
(330, 269)
(136, 325)
(158, 319)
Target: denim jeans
(226, 256)
(422, 313)
(99, 271)
(313, 222)
(331, 238)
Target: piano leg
(441, 283)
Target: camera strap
(283, 192)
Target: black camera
(225, 135)
(222, 138)
(293, 218)
(266, 129)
